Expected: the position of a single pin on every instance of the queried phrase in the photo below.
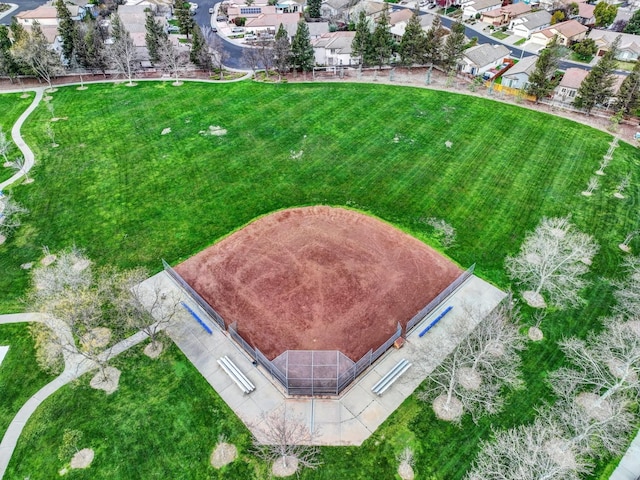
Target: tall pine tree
(198, 47)
(540, 81)
(282, 51)
(361, 44)
(382, 43)
(628, 98)
(185, 20)
(67, 29)
(433, 45)
(313, 8)
(154, 37)
(413, 44)
(301, 50)
(453, 48)
(597, 87)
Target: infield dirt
(318, 278)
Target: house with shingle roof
(481, 58)
(334, 48)
(628, 50)
(529, 23)
(568, 33)
(518, 75)
(474, 7)
(504, 15)
(567, 89)
(586, 14)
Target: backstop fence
(441, 297)
(314, 372)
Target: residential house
(529, 23)
(267, 24)
(316, 29)
(567, 89)
(568, 33)
(476, 7)
(289, 6)
(249, 11)
(335, 9)
(551, 5)
(400, 15)
(586, 14)
(372, 9)
(481, 58)
(334, 49)
(518, 75)
(397, 30)
(504, 15)
(628, 50)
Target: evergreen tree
(8, 66)
(605, 14)
(628, 98)
(198, 45)
(433, 45)
(381, 41)
(453, 47)
(633, 26)
(557, 17)
(412, 46)
(67, 29)
(95, 57)
(314, 8)
(585, 49)
(597, 87)
(301, 50)
(540, 81)
(282, 51)
(361, 44)
(154, 37)
(185, 20)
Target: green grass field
(131, 196)
(11, 106)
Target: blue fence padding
(195, 315)
(438, 318)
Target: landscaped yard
(11, 106)
(500, 35)
(130, 196)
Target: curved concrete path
(76, 365)
(29, 158)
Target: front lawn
(130, 195)
(500, 35)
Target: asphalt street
(22, 6)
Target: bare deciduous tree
(33, 49)
(5, 145)
(606, 365)
(122, 53)
(10, 216)
(593, 185)
(19, 166)
(284, 441)
(552, 260)
(174, 60)
(445, 233)
(473, 376)
(529, 452)
(143, 306)
(627, 292)
(220, 54)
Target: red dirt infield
(318, 278)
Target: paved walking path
(76, 365)
(29, 158)
(629, 466)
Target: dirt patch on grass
(285, 467)
(451, 412)
(223, 454)
(82, 458)
(535, 334)
(154, 349)
(107, 380)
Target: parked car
(211, 11)
(250, 37)
(173, 29)
(221, 18)
(237, 30)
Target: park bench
(393, 374)
(236, 375)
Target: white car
(237, 30)
(211, 11)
